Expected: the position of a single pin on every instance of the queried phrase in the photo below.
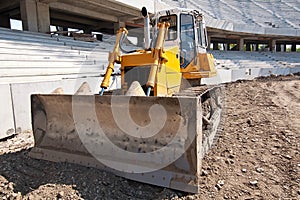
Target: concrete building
(38, 15)
(248, 25)
(232, 25)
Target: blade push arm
(159, 56)
(114, 57)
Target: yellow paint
(173, 71)
(169, 74)
(160, 88)
(114, 57)
(168, 77)
(204, 67)
(137, 59)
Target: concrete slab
(231, 75)
(148, 4)
(223, 76)
(295, 70)
(21, 94)
(281, 31)
(252, 73)
(247, 29)
(7, 127)
(238, 74)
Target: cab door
(187, 40)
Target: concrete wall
(37, 63)
(21, 95)
(7, 127)
(15, 100)
(231, 75)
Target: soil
(256, 155)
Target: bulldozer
(158, 126)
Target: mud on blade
(156, 140)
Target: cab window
(202, 37)
(187, 37)
(172, 32)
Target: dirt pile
(256, 156)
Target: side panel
(173, 70)
(204, 67)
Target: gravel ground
(256, 156)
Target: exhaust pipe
(146, 27)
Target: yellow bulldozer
(158, 126)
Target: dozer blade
(156, 140)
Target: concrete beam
(113, 7)
(8, 5)
(62, 23)
(80, 20)
(43, 17)
(48, 1)
(29, 15)
(104, 27)
(14, 13)
(82, 12)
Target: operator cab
(187, 30)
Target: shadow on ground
(48, 179)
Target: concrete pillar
(225, 47)
(29, 15)
(248, 47)
(35, 16)
(272, 46)
(140, 41)
(254, 47)
(241, 44)
(118, 25)
(43, 17)
(215, 46)
(278, 47)
(209, 42)
(294, 47)
(4, 21)
(282, 48)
